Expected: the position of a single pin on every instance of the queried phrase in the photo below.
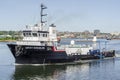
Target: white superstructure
(38, 36)
(77, 49)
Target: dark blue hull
(44, 54)
(35, 55)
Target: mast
(41, 14)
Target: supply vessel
(40, 45)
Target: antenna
(41, 14)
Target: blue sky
(68, 15)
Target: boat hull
(26, 54)
(39, 55)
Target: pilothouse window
(39, 34)
(44, 35)
(34, 34)
(29, 34)
(26, 34)
(23, 34)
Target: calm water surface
(108, 69)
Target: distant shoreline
(7, 40)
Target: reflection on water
(7, 72)
(39, 72)
(94, 70)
